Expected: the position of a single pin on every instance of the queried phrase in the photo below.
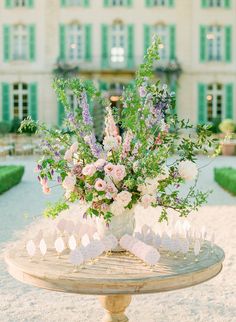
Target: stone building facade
(105, 40)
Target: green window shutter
(62, 36)
(103, 86)
(106, 3)
(129, 3)
(33, 101)
(8, 3)
(229, 101)
(202, 43)
(61, 113)
(171, 3)
(86, 3)
(130, 46)
(204, 3)
(88, 42)
(5, 102)
(148, 3)
(202, 106)
(228, 42)
(32, 44)
(146, 37)
(6, 43)
(172, 35)
(63, 3)
(173, 88)
(105, 53)
(30, 3)
(227, 3)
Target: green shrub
(5, 127)
(10, 176)
(227, 126)
(226, 178)
(15, 124)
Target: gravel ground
(213, 301)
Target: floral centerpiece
(143, 158)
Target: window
(20, 100)
(20, 42)
(118, 44)
(216, 3)
(117, 3)
(73, 2)
(215, 102)
(215, 43)
(159, 3)
(19, 3)
(162, 3)
(163, 32)
(75, 41)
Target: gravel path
(213, 301)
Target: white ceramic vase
(118, 226)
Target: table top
(117, 273)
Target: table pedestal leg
(115, 306)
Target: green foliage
(52, 211)
(5, 127)
(227, 126)
(226, 178)
(15, 124)
(10, 176)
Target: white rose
(116, 208)
(100, 163)
(69, 183)
(188, 170)
(147, 200)
(89, 170)
(124, 198)
(149, 187)
(68, 156)
(74, 147)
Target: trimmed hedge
(226, 178)
(10, 176)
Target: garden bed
(10, 176)
(226, 178)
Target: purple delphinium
(85, 109)
(95, 148)
(142, 91)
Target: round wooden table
(114, 277)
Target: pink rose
(89, 170)
(74, 147)
(69, 183)
(147, 200)
(100, 163)
(68, 156)
(43, 181)
(111, 188)
(124, 198)
(100, 185)
(46, 189)
(118, 173)
(109, 168)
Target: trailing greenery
(226, 178)
(132, 165)
(10, 176)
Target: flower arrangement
(146, 164)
